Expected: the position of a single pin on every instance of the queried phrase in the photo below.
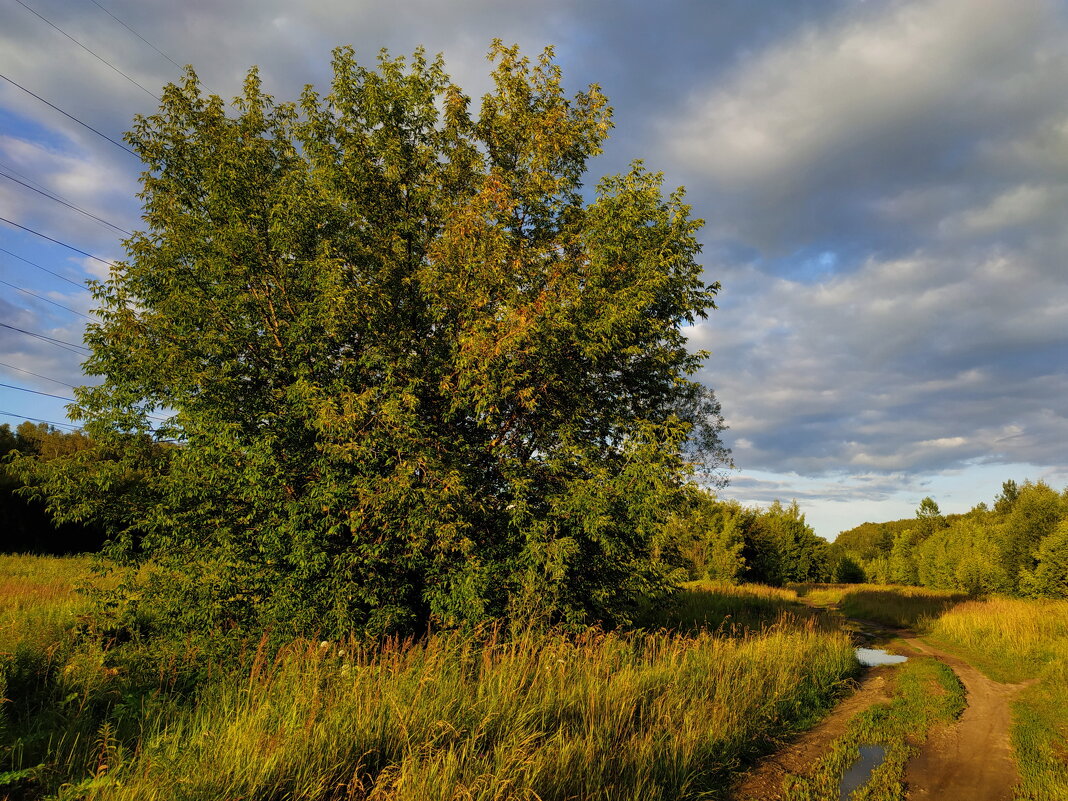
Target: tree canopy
(411, 373)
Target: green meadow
(539, 714)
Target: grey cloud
(807, 139)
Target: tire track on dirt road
(972, 760)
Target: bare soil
(764, 782)
(971, 760)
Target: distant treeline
(1018, 547)
(27, 527)
(725, 541)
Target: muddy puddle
(873, 657)
(871, 757)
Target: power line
(70, 116)
(62, 343)
(98, 57)
(36, 392)
(157, 418)
(50, 196)
(38, 420)
(36, 375)
(23, 175)
(64, 244)
(135, 33)
(46, 300)
(83, 287)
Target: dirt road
(971, 760)
(764, 783)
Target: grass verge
(547, 715)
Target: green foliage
(724, 541)
(703, 540)
(1049, 578)
(28, 527)
(1033, 515)
(1014, 548)
(412, 376)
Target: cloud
(813, 136)
(895, 365)
(885, 185)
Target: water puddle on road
(871, 657)
(871, 757)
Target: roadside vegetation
(536, 713)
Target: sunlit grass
(720, 606)
(881, 603)
(541, 716)
(38, 598)
(549, 715)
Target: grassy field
(601, 715)
(728, 608)
(879, 603)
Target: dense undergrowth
(490, 714)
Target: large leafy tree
(412, 374)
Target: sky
(884, 186)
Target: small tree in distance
(413, 376)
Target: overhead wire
(35, 375)
(58, 242)
(46, 300)
(95, 55)
(62, 202)
(70, 116)
(81, 286)
(155, 417)
(61, 343)
(39, 420)
(37, 392)
(135, 33)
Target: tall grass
(720, 606)
(1016, 640)
(38, 599)
(654, 714)
(539, 716)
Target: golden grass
(38, 598)
(1011, 639)
(541, 716)
(720, 606)
(891, 604)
